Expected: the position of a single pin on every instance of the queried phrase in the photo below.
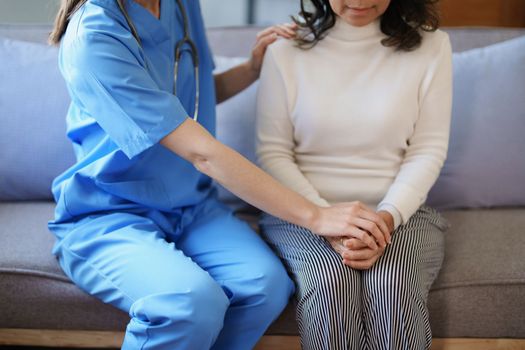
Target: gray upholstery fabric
(34, 292)
(479, 293)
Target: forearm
(239, 175)
(234, 80)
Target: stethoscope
(178, 51)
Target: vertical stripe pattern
(380, 308)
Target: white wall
(219, 13)
(30, 11)
(276, 11)
(215, 12)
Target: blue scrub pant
(196, 279)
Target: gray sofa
(480, 292)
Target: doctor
(137, 221)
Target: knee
(333, 283)
(270, 287)
(397, 277)
(198, 307)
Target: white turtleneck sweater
(353, 120)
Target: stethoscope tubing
(186, 39)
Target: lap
(308, 257)
(122, 257)
(419, 244)
(416, 252)
(216, 240)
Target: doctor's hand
(267, 37)
(236, 79)
(354, 220)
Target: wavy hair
(402, 22)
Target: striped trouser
(383, 307)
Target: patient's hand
(355, 253)
(388, 218)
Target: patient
(358, 110)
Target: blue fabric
(189, 280)
(123, 105)
(137, 226)
(485, 166)
(33, 103)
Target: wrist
(389, 219)
(251, 70)
(310, 217)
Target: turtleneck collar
(347, 32)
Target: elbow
(202, 164)
(206, 157)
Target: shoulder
(435, 43)
(97, 17)
(283, 50)
(97, 27)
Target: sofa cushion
(34, 101)
(479, 292)
(485, 165)
(32, 285)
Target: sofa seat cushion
(34, 292)
(480, 291)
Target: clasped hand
(365, 235)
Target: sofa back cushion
(485, 166)
(34, 101)
(33, 104)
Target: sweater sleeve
(275, 132)
(427, 147)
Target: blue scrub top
(123, 105)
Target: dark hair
(401, 22)
(65, 12)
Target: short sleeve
(108, 81)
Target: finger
(363, 236)
(284, 32)
(362, 264)
(264, 32)
(362, 254)
(287, 29)
(359, 264)
(378, 220)
(336, 245)
(274, 30)
(372, 228)
(262, 44)
(354, 244)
